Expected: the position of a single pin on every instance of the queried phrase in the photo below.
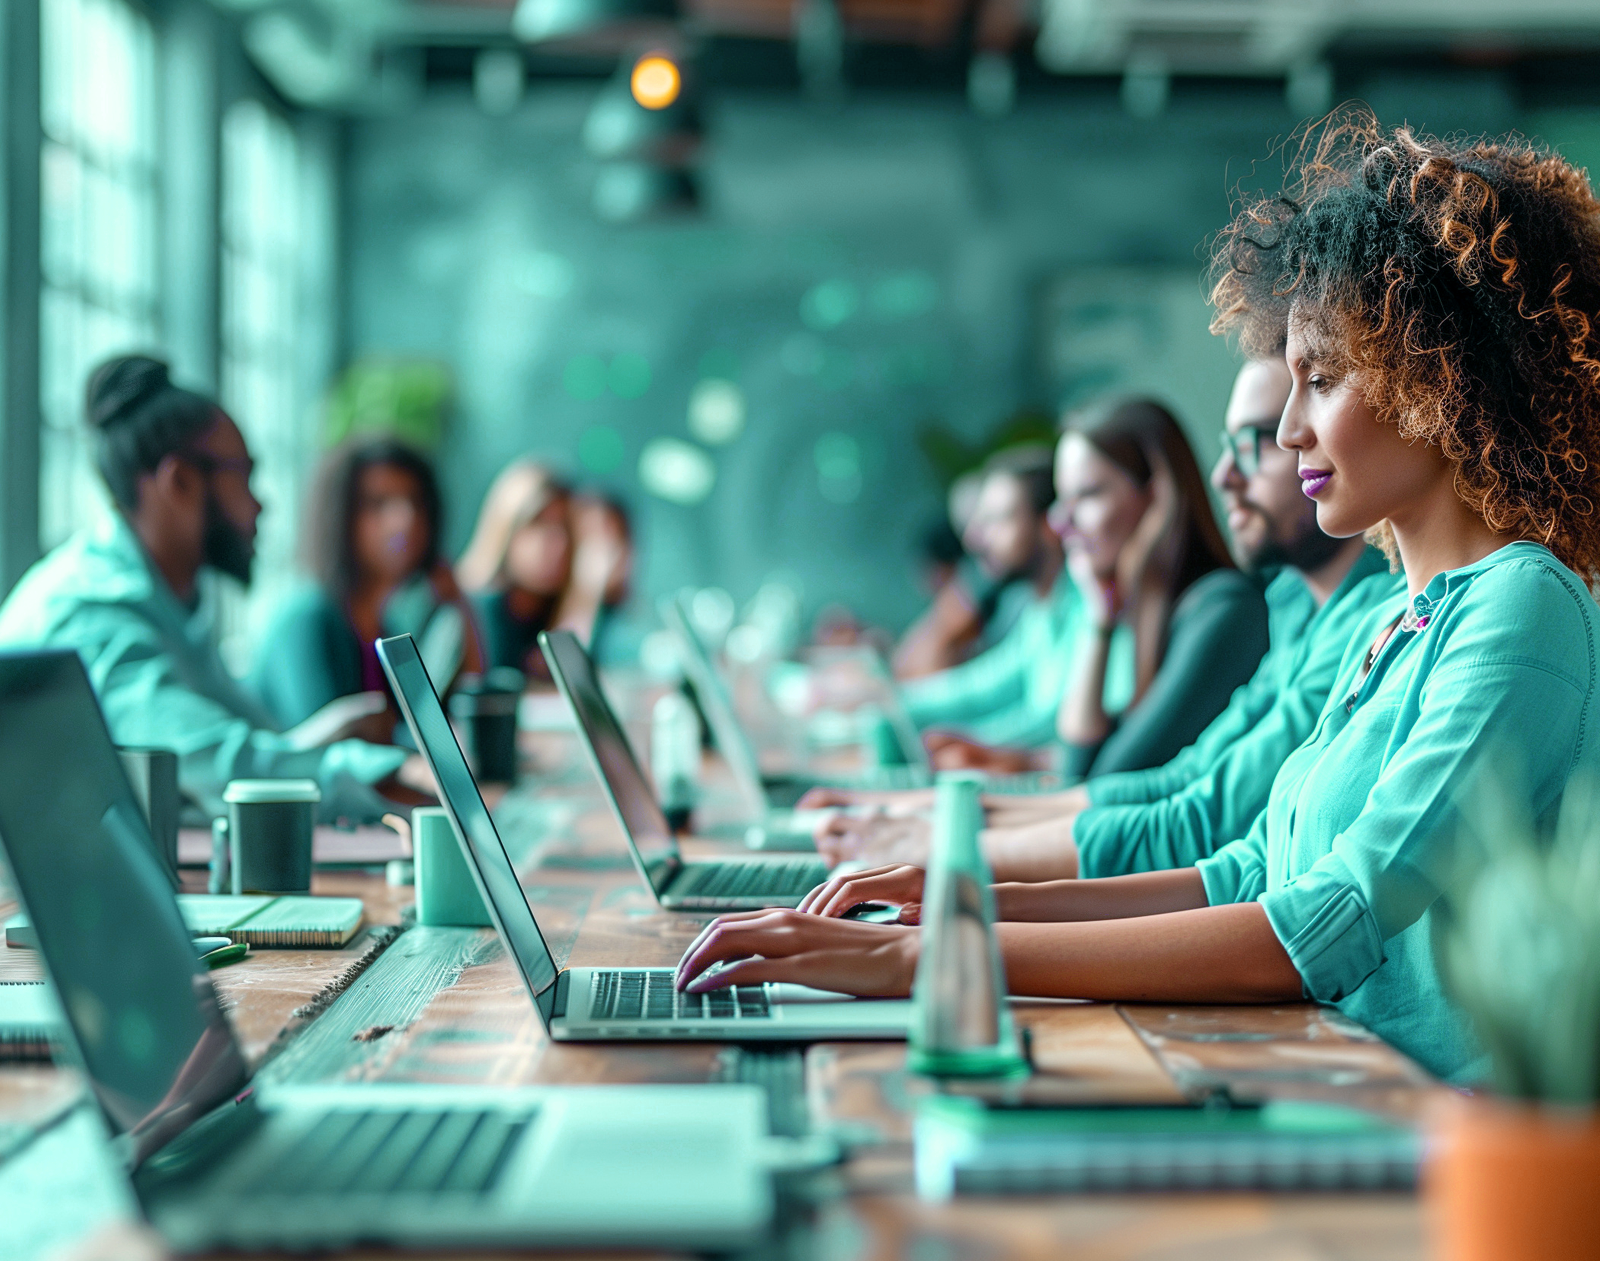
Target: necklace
(1410, 621)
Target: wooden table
(446, 1005)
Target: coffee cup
(485, 709)
(447, 894)
(154, 776)
(269, 824)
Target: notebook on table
(219, 1160)
(30, 1020)
(964, 1146)
(272, 920)
(263, 920)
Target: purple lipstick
(1312, 480)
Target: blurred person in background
(971, 609)
(1146, 553)
(601, 525)
(1166, 626)
(370, 545)
(1319, 591)
(539, 560)
(132, 595)
(1009, 695)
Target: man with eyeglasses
(1324, 590)
(129, 593)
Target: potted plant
(1514, 1171)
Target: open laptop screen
(139, 1004)
(624, 781)
(486, 853)
(715, 703)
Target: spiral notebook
(29, 1020)
(963, 1146)
(272, 921)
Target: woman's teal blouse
(1355, 848)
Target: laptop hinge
(558, 1009)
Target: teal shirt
(1216, 637)
(309, 653)
(1211, 793)
(155, 668)
(1351, 856)
(1010, 693)
(1290, 608)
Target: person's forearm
(1002, 811)
(1117, 897)
(1083, 718)
(578, 611)
(1217, 954)
(939, 638)
(1041, 851)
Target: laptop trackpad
(789, 992)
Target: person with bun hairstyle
(128, 594)
(1442, 302)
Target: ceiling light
(655, 81)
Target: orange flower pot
(1510, 1182)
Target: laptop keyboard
(422, 1151)
(652, 996)
(736, 880)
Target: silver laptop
(769, 796)
(742, 883)
(218, 1160)
(590, 1004)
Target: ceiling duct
(593, 25)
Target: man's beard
(224, 546)
(1307, 551)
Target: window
(99, 221)
(262, 309)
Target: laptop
(769, 797)
(746, 882)
(593, 1004)
(220, 1161)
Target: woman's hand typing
(868, 960)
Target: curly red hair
(1459, 283)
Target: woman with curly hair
(1442, 304)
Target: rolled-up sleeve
(1238, 871)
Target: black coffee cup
(154, 776)
(485, 709)
(270, 823)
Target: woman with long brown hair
(1442, 306)
(1146, 553)
(370, 546)
(541, 558)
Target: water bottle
(961, 1026)
(675, 757)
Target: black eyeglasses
(1243, 446)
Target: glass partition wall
(100, 208)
